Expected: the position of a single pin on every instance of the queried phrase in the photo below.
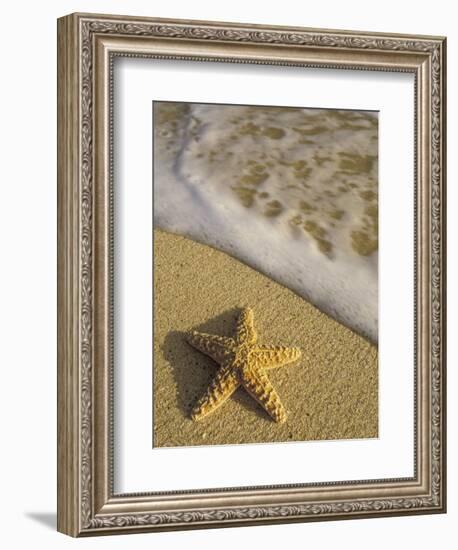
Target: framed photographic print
(251, 281)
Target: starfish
(242, 363)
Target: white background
(388, 456)
(28, 274)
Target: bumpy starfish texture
(242, 363)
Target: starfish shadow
(193, 370)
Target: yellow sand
(330, 393)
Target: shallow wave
(291, 192)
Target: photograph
(265, 267)
(227, 235)
(251, 272)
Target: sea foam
(291, 192)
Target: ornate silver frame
(87, 44)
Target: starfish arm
(260, 388)
(269, 357)
(245, 332)
(222, 386)
(216, 347)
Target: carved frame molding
(87, 45)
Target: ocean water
(291, 192)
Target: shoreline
(291, 192)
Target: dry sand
(330, 393)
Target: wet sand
(291, 192)
(330, 393)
